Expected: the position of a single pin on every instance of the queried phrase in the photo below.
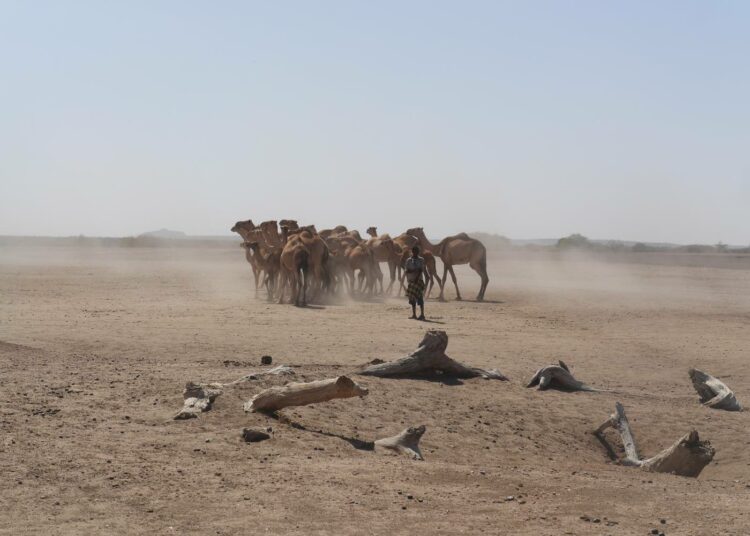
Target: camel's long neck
(427, 245)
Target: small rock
(663, 521)
(266, 360)
(251, 435)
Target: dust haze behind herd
(642, 278)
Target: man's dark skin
(415, 255)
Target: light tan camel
(250, 233)
(457, 249)
(385, 250)
(270, 262)
(361, 258)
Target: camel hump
(462, 236)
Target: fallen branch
(686, 457)
(558, 376)
(199, 397)
(407, 442)
(713, 392)
(429, 357)
(302, 394)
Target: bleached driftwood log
(302, 394)
(198, 397)
(713, 392)
(430, 357)
(557, 376)
(406, 442)
(686, 457)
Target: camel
(361, 258)
(289, 224)
(327, 233)
(270, 232)
(318, 251)
(249, 233)
(385, 250)
(269, 262)
(294, 262)
(457, 249)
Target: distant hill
(164, 233)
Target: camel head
(372, 231)
(250, 245)
(310, 229)
(290, 224)
(415, 231)
(243, 226)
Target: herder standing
(417, 276)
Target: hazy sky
(626, 120)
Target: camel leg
(283, 280)
(455, 283)
(481, 270)
(303, 284)
(256, 276)
(440, 283)
(392, 271)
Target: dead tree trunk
(407, 442)
(713, 392)
(198, 397)
(686, 457)
(302, 394)
(558, 376)
(430, 357)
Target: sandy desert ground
(96, 345)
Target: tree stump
(713, 392)
(558, 376)
(686, 457)
(406, 442)
(428, 358)
(302, 394)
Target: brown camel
(294, 263)
(327, 233)
(270, 231)
(318, 254)
(457, 249)
(289, 224)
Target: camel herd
(288, 259)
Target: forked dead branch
(430, 358)
(686, 457)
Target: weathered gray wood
(558, 376)
(406, 442)
(713, 392)
(429, 357)
(686, 457)
(302, 394)
(198, 398)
